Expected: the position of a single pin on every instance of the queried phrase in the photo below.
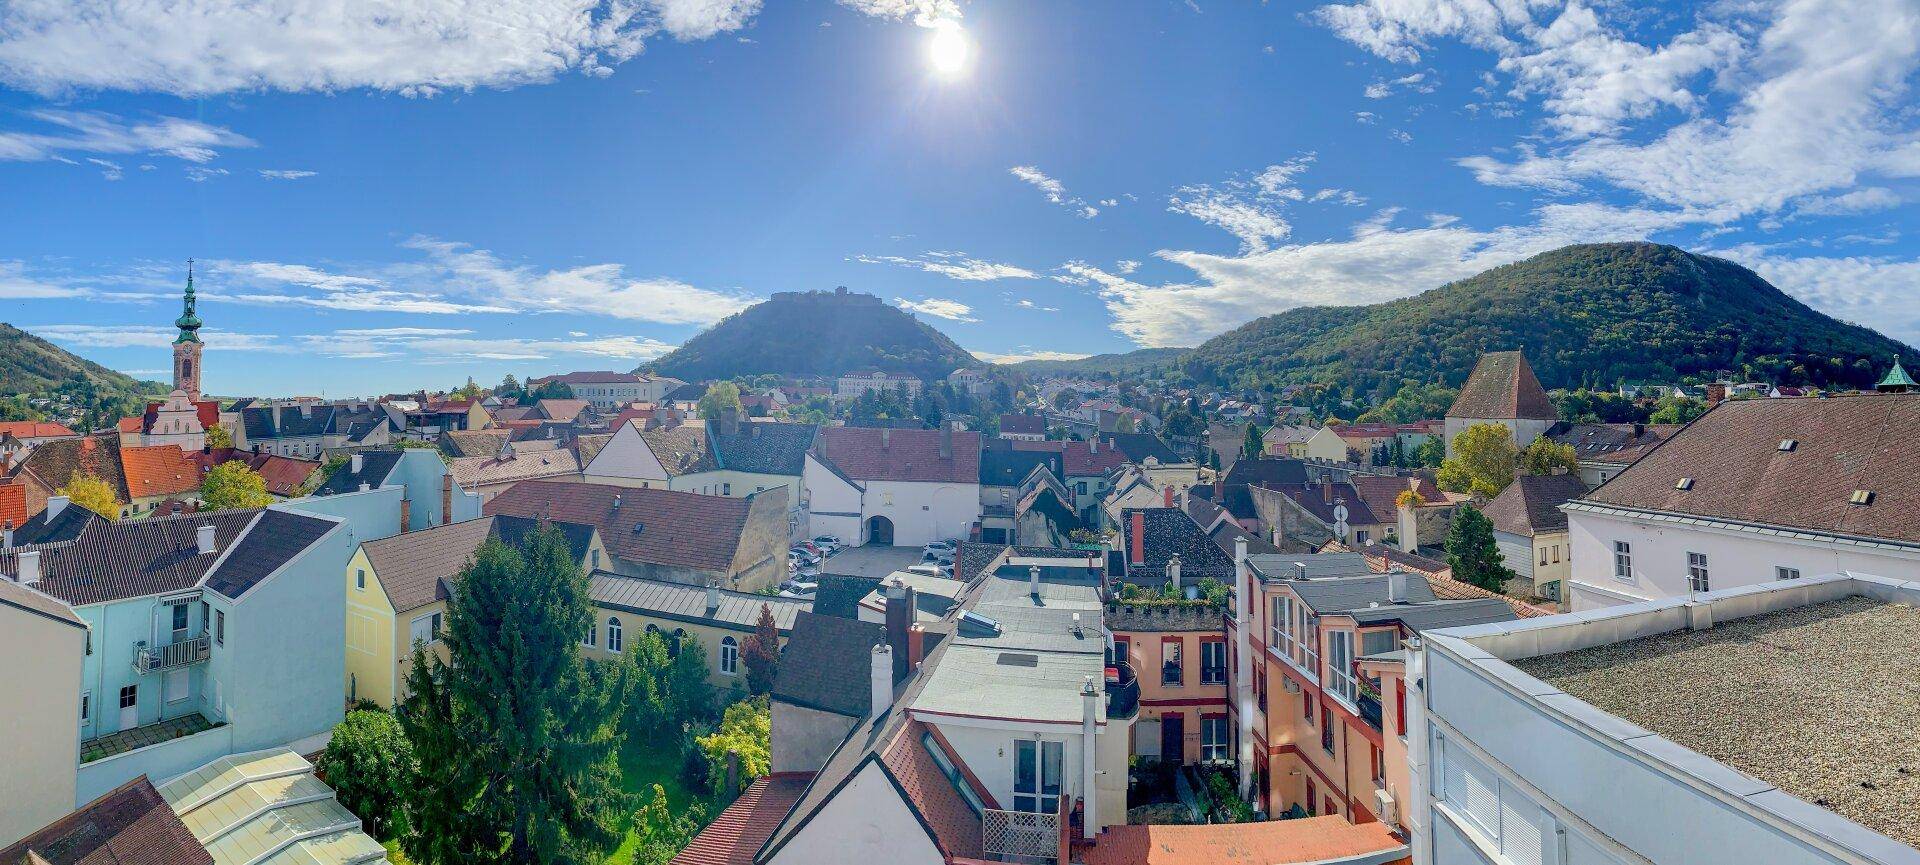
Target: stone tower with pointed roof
(1502, 389)
(1897, 380)
(186, 346)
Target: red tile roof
(736, 835)
(1382, 493)
(208, 411)
(283, 475)
(900, 454)
(663, 527)
(13, 504)
(955, 827)
(26, 429)
(129, 825)
(1276, 842)
(1028, 424)
(1502, 385)
(158, 470)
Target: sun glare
(948, 49)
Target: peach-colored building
(1178, 649)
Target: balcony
(171, 656)
(1123, 691)
(1020, 836)
(1369, 706)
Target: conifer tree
(1472, 553)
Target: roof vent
(1861, 497)
(1684, 484)
(639, 527)
(1789, 444)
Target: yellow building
(625, 607)
(397, 591)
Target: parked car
(802, 556)
(828, 543)
(938, 548)
(800, 587)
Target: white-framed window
(1213, 737)
(614, 641)
(593, 634)
(729, 656)
(1623, 561)
(424, 630)
(1037, 771)
(219, 627)
(1782, 572)
(1697, 572)
(1360, 536)
(86, 707)
(1340, 679)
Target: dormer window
(1684, 484)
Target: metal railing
(1123, 692)
(192, 650)
(1020, 835)
(1369, 710)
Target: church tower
(186, 346)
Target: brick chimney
(446, 499)
(1166, 496)
(1138, 539)
(406, 515)
(899, 624)
(1326, 488)
(946, 441)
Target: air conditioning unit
(1293, 687)
(1383, 804)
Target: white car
(928, 569)
(828, 544)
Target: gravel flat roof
(1818, 701)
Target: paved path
(870, 561)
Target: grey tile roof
(412, 567)
(65, 526)
(766, 448)
(1352, 593)
(1139, 446)
(1170, 532)
(1280, 566)
(840, 594)
(738, 611)
(276, 539)
(827, 664)
(113, 561)
(1531, 504)
(1438, 614)
(374, 468)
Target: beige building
(680, 537)
(710, 620)
(43, 642)
(1531, 531)
(1502, 390)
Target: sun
(948, 50)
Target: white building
(38, 748)
(1502, 389)
(1577, 739)
(1753, 491)
(606, 390)
(893, 487)
(724, 457)
(849, 387)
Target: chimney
(1299, 570)
(203, 539)
(29, 567)
(916, 646)
(364, 486)
(728, 423)
(56, 504)
(356, 464)
(1166, 495)
(899, 621)
(1396, 587)
(881, 676)
(6, 462)
(1033, 580)
(1639, 430)
(946, 441)
(446, 499)
(6, 536)
(616, 501)
(713, 596)
(1089, 762)
(1173, 573)
(306, 409)
(1326, 488)
(1093, 445)
(886, 438)
(1138, 539)
(406, 515)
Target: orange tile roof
(1277, 842)
(158, 470)
(129, 425)
(13, 504)
(26, 429)
(736, 835)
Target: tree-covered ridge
(1585, 315)
(815, 333)
(1132, 363)
(30, 364)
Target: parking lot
(870, 561)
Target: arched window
(729, 656)
(593, 634)
(613, 633)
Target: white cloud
(202, 174)
(1017, 357)
(1024, 303)
(418, 47)
(274, 283)
(925, 13)
(953, 265)
(102, 133)
(1054, 190)
(1250, 209)
(158, 337)
(16, 284)
(286, 173)
(1876, 291)
(108, 168)
(1418, 82)
(596, 288)
(376, 332)
(451, 345)
(951, 310)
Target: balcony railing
(1123, 691)
(1019, 836)
(182, 653)
(1369, 706)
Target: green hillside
(1132, 363)
(815, 333)
(29, 364)
(1593, 314)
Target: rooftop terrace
(1817, 700)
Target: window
(952, 772)
(1306, 707)
(1122, 651)
(613, 634)
(220, 627)
(1360, 536)
(593, 558)
(1785, 573)
(1543, 555)
(1326, 729)
(179, 617)
(593, 634)
(729, 656)
(360, 579)
(1379, 765)
(89, 639)
(424, 631)
(1213, 663)
(206, 616)
(1313, 799)
(1471, 792)
(726, 489)
(129, 696)
(1037, 769)
(1170, 666)
(1556, 554)
(1697, 572)
(1622, 561)
(1340, 679)
(1376, 642)
(86, 707)
(1213, 738)
(1400, 706)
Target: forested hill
(815, 333)
(1127, 364)
(1592, 314)
(29, 364)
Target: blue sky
(398, 202)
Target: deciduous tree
(745, 731)
(92, 493)
(1546, 456)
(720, 396)
(232, 485)
(369, 764)
(1483, 461)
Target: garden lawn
(641, 767)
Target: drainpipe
(1413, 814)
(1243, 600)
(1089, 759)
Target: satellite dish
(1339, 513)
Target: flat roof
(1816, 700)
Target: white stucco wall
(988, 752)
(923, 512)
(804, 738)
(1734, 558)
(867, 823)
(39, 747)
